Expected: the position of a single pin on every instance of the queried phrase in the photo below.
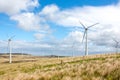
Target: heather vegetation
(93, 67)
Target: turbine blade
(83, 36)
(92, 25)
(82, 25)
(115, 40)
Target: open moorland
(92, 67)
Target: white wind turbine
(73, 44)
(74, 29)
(117, 45)
(10, 50)
(86, 36)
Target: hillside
(93, 67)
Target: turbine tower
(85, 35)
(116, 46)
(10, 50)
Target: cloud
(27, 21)
(107, 16)
(22, 11)
(87, 14)
(11, 7)
(39, 36)
(30, 21)
(38, 47)
(100, 36)
(74, 36)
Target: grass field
(93, 67)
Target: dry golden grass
(93, 67)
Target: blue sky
(73, 3)
(54, 25)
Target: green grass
(2, 72)
(100, 67)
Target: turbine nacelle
(86, 28)
(9, 40)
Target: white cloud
(37, 48)
(87, 14)
(31, 22)
(11, 7)
(26, 44)
(74, 36)
(107, 16)
(27, 21)
(39, 36)
(50, 9)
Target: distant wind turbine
(85, 35)
(10, 50)
(74, 29)
(116, 46)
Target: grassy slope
(94, 67)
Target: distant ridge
(15, 54)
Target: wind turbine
(85, 35)
(116, 46)
(74, 29)
(10, 50)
